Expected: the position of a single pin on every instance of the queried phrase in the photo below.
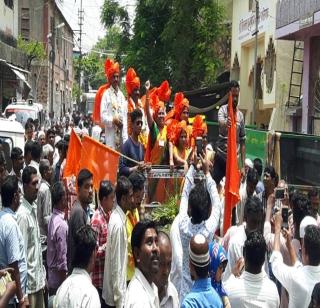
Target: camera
(285, 216)
(199, 146)
(279, 193)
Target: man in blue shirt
(132, 148)
(202, 294)
(12, 252)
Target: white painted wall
(9, 19)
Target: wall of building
(41, 17)
(243, 43)
(9, 19)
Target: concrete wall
(41, 14)
(9, 19)
(243, 25)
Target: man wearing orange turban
(180, 112)
(114, 108)
(134, 102)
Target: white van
(11, 135)
(21, 111)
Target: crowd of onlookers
(62, 244)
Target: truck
(87, 102)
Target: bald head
(163, 239)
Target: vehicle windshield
(22, 115)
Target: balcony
(289, 11)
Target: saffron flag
(101, 160)
(97, 103)
(73, 156)
(232, 183)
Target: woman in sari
(157, 146)
(218, 263)
(180, 112)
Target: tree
(114, 15)
(190, 35)
(172, 39)
(33, 49)
(146, 51)
(92, 64)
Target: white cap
(248, 162)
(307, 221)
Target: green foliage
(112, 15)
(92, 64)
(34, 50)
(76, 91)
(165, 214)
(176, 40)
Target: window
(25, 24)
(251, 5)
(9, 3)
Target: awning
(20, 74)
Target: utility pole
(254, 99)
(52, 55)
(80, 23)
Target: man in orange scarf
(114, 108)
(134, 102)
(219, 168)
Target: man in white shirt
(115, 266)
(77, 290)
(253, 217)
(142, 292)
(202, 203)
(28, 224)
(298, 280)
(247, 190)
(114, 109)
(168, 295)
(253, 288)
(176, 265)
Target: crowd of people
(63, 244)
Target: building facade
(299, 21)
(273, 71)
(13, 73)
(42, 21)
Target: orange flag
(101, 160)
(73, 156)
(232, 171)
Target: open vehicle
(21, 111)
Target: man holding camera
(219, 170)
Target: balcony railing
(289, 11)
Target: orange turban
(179, 103)
(199, 127)
(155, 103)
(164, 91)
(132, 81)
(110, 68)
(174, 130)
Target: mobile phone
(279, 193)
(199, 146)
(285, 216)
